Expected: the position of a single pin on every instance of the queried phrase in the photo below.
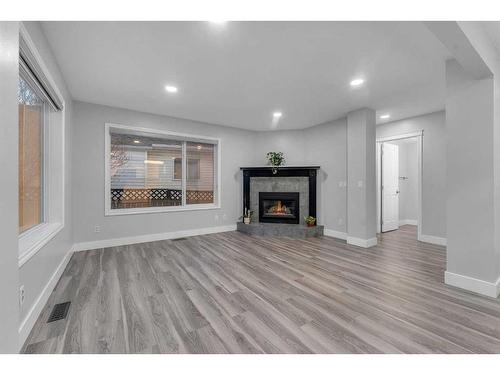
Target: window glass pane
(193, 169)
(200, 173)
(144, 171)
(31, 118)
(178, 169)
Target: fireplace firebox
(277, 207)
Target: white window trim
(147, 210)
(34, 239)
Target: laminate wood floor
(233, 293)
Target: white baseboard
(80, 246)
(30, 320)
(362, 242)
(432, 239)
(408, 222)
(474, 285)
(335, 234)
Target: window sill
(34, 239)
(155, 210)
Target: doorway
(399, 182)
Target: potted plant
(275, 159)
(247, 216)
(310, 221)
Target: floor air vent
(59, 312)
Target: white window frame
(34, 239)
(108, 211)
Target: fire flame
(278, 208)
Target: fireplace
(279, 207)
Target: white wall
(9, 63)
(237, 147)
(36, 273)
(434, 166)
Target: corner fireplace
(279, 207)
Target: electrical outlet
(21, 295)
(97, 229)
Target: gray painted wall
(488, 52)
(9, 224)
(290, 142)
(434, 166)
(470, 175)
(35, 274)
(323, 145)
(237, 147)
(361, 179)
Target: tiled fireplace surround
(283, 185)
(286, 179)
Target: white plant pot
(246, 220)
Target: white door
(390, 187)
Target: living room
(217, 187)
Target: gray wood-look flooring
(233, 293)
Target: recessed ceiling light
(218, 22)
(171, 89)
(357, 82)
(198, 147)
(277, 114)
(137, 141)
(386, 116)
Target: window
(193, 171)
(31, 128)
(177, 169)
(41, 152)
(151, 171)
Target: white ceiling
(238, 73)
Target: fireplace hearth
(276, 207)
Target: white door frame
(420, 154)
